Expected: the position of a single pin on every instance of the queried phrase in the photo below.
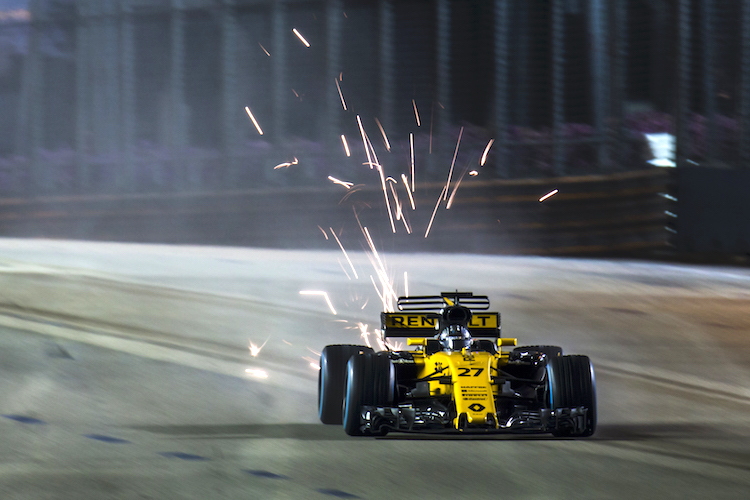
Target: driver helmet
(455, 338)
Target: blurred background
(163, 120)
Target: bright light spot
(302, 39)
(255, 350)
(473, 173)
(324, 294)
(264, 49)
(313, 363)
(486, 150)
(347, 185)
(406, 284)
(554, 191)
(256, 372)
(255, 122)
(346, 145)
(286, 164)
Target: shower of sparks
(416, 113)
(264, 49)
(325, 296)
(302, 38)
(323, 231)
(286, 164)
(408, 191)
(256, 372)
(440, 198)
(255, 122)
(346, 145)
(554, 191)
(255, 350)
(453, 163)
(347, 185)
(371, 155)
(385, 137)
(486, 151)
(345, 254)
(338, 87)
(411, 154)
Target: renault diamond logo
(476, 407)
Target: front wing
(436, 419)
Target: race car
(455, 377)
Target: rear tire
(571, 384)
(331, 380)
(370, 381)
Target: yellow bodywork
(467, 376)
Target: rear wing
(428, 324)
(445, 299)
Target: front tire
(571, 384)
(331, 380)
(370, 381)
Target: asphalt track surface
(127, 373)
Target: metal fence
(133, 96)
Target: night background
(148, 97)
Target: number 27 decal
(466, 372)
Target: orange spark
(408, 191)
(346, 145)
(338, 87)
(264, 49)
(445, 190)
(325, 296)
(347, 185)
(554, 191)
(411, 153)
(385, 137)
(299, 35)
(345, 254)
(455, 153)
(416, 113)
(255, 122)
(486, 150)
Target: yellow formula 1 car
(455, 378)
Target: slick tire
(370, 381)
(331, 380)
(571, 384)
(551, 351)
